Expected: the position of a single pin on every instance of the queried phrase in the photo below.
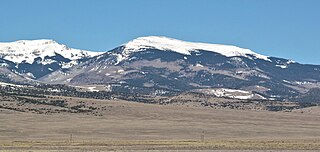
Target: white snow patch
(244, 97)
(53, 90)
(47, 61)
(28, 50)
(30, 75)
(4, 65)
(282, 66)
(199, 65)
(182, 47)
(108, 88)
(232, 93)
(92, 89)
(260, 96)
(120, 58)
(291, 61)
(286, 81)
(303, 82)
(233, 90)
(10, 84)
(69, 65)
(120, 71)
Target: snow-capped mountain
(36, 58)
(182, 47)
(186, 48)
(160, 64)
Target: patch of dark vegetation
(42, 94)
(211, 101)
(11, 108)
(312, 96)
(57, 103)
(281, 108)
(46, 105)
(43, 90)
(4, 78)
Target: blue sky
(281, 28)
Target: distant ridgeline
(157, 66)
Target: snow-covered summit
(28, 50)
(183, 47)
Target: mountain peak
(183, 47)
(28, 50)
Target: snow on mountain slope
(28, 50)
(231, 93)
(148, 63)
(169, 44)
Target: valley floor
(121, 125)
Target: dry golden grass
(164, 145)
(135, 126)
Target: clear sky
(281, 28)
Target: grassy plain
(118, 125)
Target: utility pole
(202, 136)
(70, 140)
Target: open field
(221, 145)
(122, 125)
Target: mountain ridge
(153, 65)
(27, 50)
(148, 66)
(36, 58)
(184, 47)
